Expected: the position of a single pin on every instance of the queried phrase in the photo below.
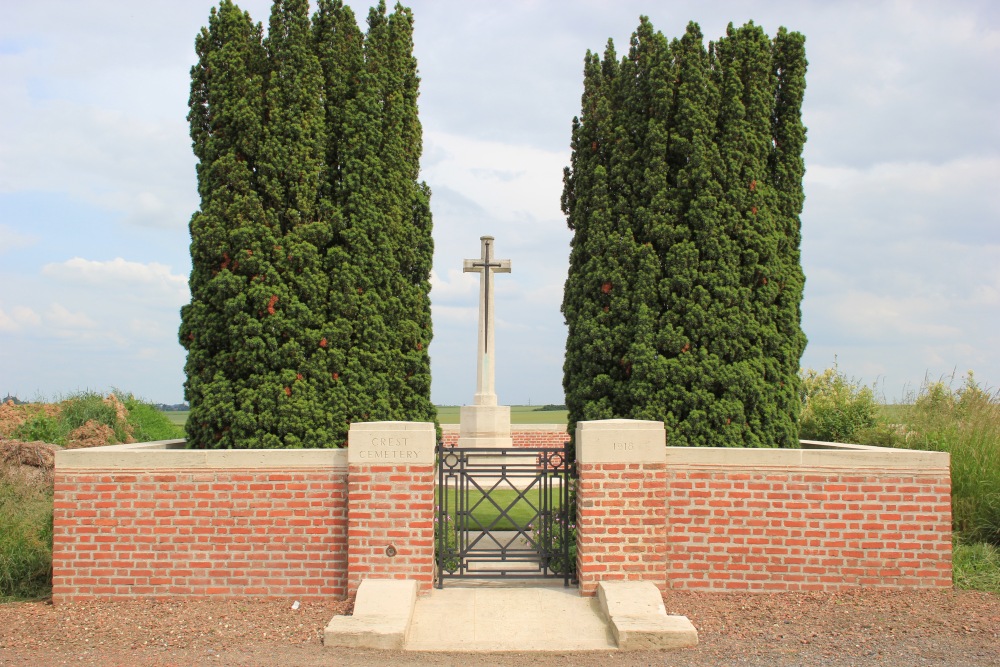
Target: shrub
(41, 427)
(836, 409)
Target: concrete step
(638, 619)
(383, 613)
(516, 617)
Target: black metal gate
(503, 512)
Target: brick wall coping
(813, 455)
(171, 454)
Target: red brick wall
(759, 530)
(621, 522)
(218, 532)
(522, 437)
(391, 506)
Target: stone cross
(486, 266)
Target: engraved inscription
(623, 446)
(388, 442)
(388, 454)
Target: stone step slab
(638, 619)
(383, 612)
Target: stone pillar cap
(621, 441)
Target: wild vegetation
(963, 421)
(30, 433)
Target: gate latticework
(503, 512)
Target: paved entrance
(486, 618)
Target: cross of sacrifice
(486, 266)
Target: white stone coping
(813, 455)
(644, 442)
(171, 454)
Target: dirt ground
(894, 629)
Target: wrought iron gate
(503, 512)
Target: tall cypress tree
(309, 280)
(227, 339)
(338, 43)
(594, 300)
(387, 233)
(712, 341)
(786, 169)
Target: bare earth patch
(91, 434)
(28, 462)
(894, 629)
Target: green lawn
(485, 513)
(519, 414)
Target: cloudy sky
(901, 241)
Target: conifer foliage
(684, 194)
(311, 251)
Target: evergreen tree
(227, 339)
(388, 230)
(708, 237)
(594, 300)
(309, 282)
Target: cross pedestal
(484, 423)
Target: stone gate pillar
(621, 502)
(390, 509)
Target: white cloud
(455, 314)
(60, 317)
(19, 318)
(511, 182)
(890, 317)
(11, 239)
(458, 286)
(122, 275)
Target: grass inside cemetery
(519, 414)
(485, 513)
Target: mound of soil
(90, 434)
(28, 462)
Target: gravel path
(890, 629)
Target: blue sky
(901, 242)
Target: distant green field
(448, 414)
(178, 417)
